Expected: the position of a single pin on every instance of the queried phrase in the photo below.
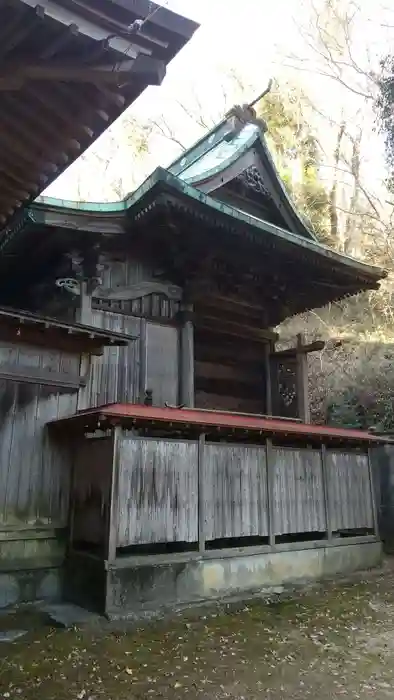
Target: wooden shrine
(195, 471)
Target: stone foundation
(134, 589)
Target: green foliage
(297, 155)
(385, 112)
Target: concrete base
(134, 590)
(27, 586)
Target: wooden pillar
(201, 494)
(84, 313)
(187, 358)
(302, 382)
(112, 516)
(268, 379)
(270, 490)
(326, 492)
(143, 357)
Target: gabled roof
(195, 197)
(234, 160)
(68, 69)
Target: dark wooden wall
(229, 373)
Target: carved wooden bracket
(124, 293)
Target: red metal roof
(138, 414)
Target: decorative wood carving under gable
(151, 298)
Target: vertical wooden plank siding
(115, 375)
(349, 491)
(157, 498)
(34, 471)
(298, 491)
(235, 485)
(162, 363)
(91, 489)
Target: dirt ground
(332, 641)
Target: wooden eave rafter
(68, 69)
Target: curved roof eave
(171, 183)
(162, 181)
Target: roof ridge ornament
(240, 115)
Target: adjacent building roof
(186, 421)
(68, 69)
(25, 327)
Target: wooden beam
(38, 375)
(316, 346)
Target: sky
(251, 37)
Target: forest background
(330, 117)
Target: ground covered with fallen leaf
(334, 640)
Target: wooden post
(326, 492)
(187, 358)
(270, 490)
(143, 360)
(302, 381)
(112, 515)
(373, 494)
(84, 313)
(268, 379)
(201, 494)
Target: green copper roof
(94, 207)
(221, 155)
(241, 219)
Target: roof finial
(263, 94)
(246, 113)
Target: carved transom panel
(252, 180)
(284, 384)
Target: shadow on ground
(327, 643)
